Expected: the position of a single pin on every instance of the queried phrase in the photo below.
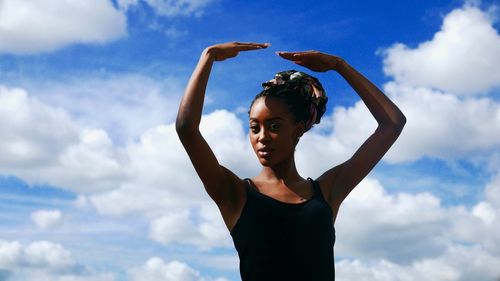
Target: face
(273, 131)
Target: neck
(282, 172)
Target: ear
(300, 129)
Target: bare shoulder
(232, 204)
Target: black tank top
(281, 241)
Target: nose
(264, 136)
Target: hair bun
(305, 85)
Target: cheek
(253, 139)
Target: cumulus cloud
(125, 106)
(458, 263)
(414, 237)
(435, 85)
(33, 26)
(164, 179)
(202, 227)
(39, 254)
(43, 260)
(384, 236)
(47, 219)
(42, 144)
(461, 58)
(156, 269)
(492, 190)
(437, 119)
(171, 8)
(396, 224)
(60, 152)
(479, 224)
(404, 228)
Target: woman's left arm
(343, 178)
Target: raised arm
(216, 179)
(342, 179)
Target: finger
(252, 43)
(285, 55)
(250, 47)
(299, 62)
(299, 54)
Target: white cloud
(33, 26)
(39, 254)
(492, 190)
(64, 141)
(202, 227)
(156, 269)
(42, 144)
(150, 174)
(377, 225)
(436, 120)
(164, 179)
(153, 176)
(132, 103)
(458, 263)
(47, 219)
(45, 145)
(406, 229)
(461, 58)
(23, 142)
(480, 224)
(171, 8)
(43, 260)
(400, 236)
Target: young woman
(282, 224)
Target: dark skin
(274, 135)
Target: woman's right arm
(216, 179)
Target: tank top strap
(249, 185)
(317, 190)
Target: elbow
(184, 127)
(395, 125)
(398, 126)
(400, 122)
(181, 126)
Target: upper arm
(223, 186)
(343, 178)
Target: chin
(265, 162)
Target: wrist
(339, 65)
(208, 53)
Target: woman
(281, 223)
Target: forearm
(191, 106)
(381, 107)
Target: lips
(264, 151)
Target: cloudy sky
(94, 185)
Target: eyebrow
(270, 119)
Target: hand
(224, 51)
(314, 60)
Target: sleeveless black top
(285, 241)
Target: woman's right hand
(224, 51)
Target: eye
(274, 126)
(254, 128)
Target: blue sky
(95, 185)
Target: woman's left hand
(314, 60)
